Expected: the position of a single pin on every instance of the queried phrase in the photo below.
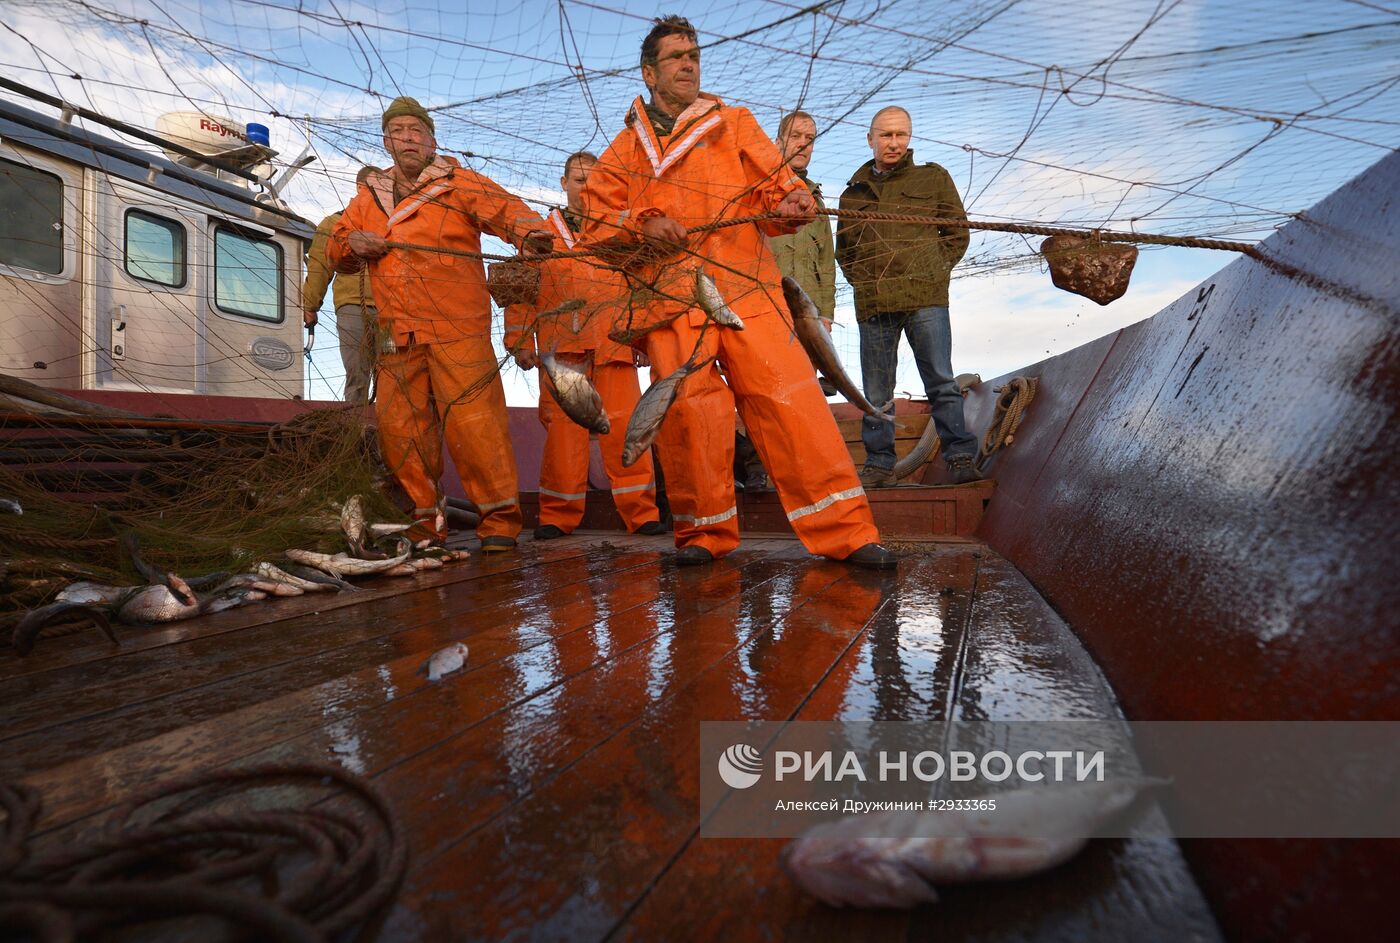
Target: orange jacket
(439, 297)
(716, 164)
(602, 290)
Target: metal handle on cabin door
(119, 333)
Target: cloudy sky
(1204, 117)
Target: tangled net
(223, 845)
(200, 497)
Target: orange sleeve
(608, 214)
(338, 254)
(518, 319)
(497, 211)
(763, 164)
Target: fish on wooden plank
(894, 859)
(816, 340)
(445, 661)
(341, 565)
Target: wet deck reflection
(549, 788)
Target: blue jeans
(931, 338)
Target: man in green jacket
(354, 307)
(807, 256)
(900, 274)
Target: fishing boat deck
(549, 789)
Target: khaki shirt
(900, 266)
(808, 257)
(349, 289)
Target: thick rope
(1015, 397)
(189, 846)
(1103, 235)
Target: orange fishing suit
(717, 163)
(580, 337)
(441, 374)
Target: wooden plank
(34, 704)
(373, 717)
(569, 859)
(51, 654)
(902, 667)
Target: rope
(1011, 408)
(1030, 229)
(172, 852)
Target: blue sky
(1202, 117)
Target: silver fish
(445, 661)
(386, 530)
(576, 395)
(415, 566)
(816, 340)
(320, 578)
(893, 859)
(10, 506)
(342, 565)
(156, 604)
(86, 593)
(352, 524)
(709, 299)
(270, 573)
(651, 410)
(233, 598)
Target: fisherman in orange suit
(580, 337)
(683, 160)
(437, 369)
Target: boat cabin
(121, 269)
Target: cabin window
(247, 275)
(31, 219)
(155, 249)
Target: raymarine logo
(271, 354)
(740, 766)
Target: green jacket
(319, 275)
(900, 266)
(808, 257)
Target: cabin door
(150, 267)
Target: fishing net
(200, 497)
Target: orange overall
(718, 163)
(441, 374)
(580, 337)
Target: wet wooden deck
(549, 789)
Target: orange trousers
(564, 468)
(454, 388)
(775, 389)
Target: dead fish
(342, 565)
(156, 604)
(10, 506)
(387, 530)
(232, 598)
(576, 395)
(445, 661)
(352, 524)
(709, 299)
(320, 578)
(178, 588)
(29, 627)
(415, 566)
(88, 593)
(651, 410)
(816, 340)
(893, 859)
(267, 571)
